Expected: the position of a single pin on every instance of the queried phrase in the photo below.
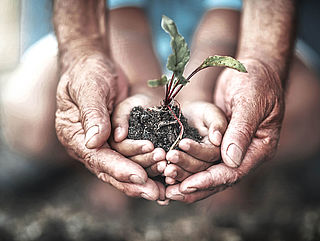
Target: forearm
(80, 27)
(132, 49)
(216, 34)
(267, 33)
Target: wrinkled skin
(86, 94)
(195, 157)
(254, 104)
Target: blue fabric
(36, 16)
(186, 14)
(35, 21)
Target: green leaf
(224, 61)
(158, 82)
(181, 53)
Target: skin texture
(26, 120)
(253, 102)
(89, 86)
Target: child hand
(140, 151)
(195, 157)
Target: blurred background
(47, 202)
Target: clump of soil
(159, 126)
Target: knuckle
(103, 177)
(89, 161)
(244, 130)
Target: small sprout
(176, 63)
(180, 57)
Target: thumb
(121, 115)
(95, 118)
(217, 123)
(240, 131)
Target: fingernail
(161, 166)
(172, 156)
(174, 174)
(94, 130)
(117, 133)
(170, 181)
(216, 138)
(147, 148)
(157, 155)
(235, 154)
(146, 196)
(136, 179)
(190, 189)
(184, 145)
(177, 197)
(164, 202)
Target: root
(166, 123)
(181, 128)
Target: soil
(159, 126)
(278, 201)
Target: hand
(141, 152)
(195, 157)
(86, 93)
(254, 103)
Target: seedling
(176, 63)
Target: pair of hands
(253, 103)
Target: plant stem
(176, 92)
(173, 94)
(181, 128)
(194, 72)
(168, 88)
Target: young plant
(178, 60)
(176, 63)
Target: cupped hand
(254, 104)
(141, 152)
(86, 93)
(194, 157)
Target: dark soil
(159, 126)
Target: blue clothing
(36, 15)
(186, 14)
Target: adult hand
(86, 93)
(211, 123)
(141, 152)
(254, 103)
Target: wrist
(83, 57)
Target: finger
(238, 136)
(214, 177)
(164, 203)
(173, 193)
(156, 169)
(94, 99)
(162, 191)
(170, 181)
(148, 159)
(130, 147)
(149, 190)
(221, 176)
(217, 123)
(176, 172)
(186, 161)
(121, 114)
(202, 151)
(107, 161)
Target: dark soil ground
(280, 201)
(159, 126)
